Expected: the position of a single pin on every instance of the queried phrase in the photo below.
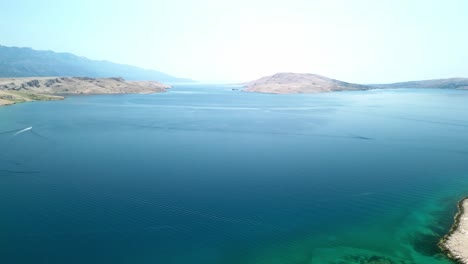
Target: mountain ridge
(28, 62)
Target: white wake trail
(22, 131)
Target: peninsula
(450, 83)
(455, 244)
(17, 90)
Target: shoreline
(61, 96)
(13, 97)
(25, 89)
(35, 97)
(455, 243)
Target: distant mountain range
(26, 62)
(282, 83)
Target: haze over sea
(205, 174)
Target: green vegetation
(14, 97)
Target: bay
(208, 174)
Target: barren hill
(281, 83)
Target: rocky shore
(455, 243)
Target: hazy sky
(367, 41)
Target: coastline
(15, 97)
(57, 97)
(455, 243)
(26, 89)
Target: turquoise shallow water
(204, 174)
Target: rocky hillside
(15, 90)
(282, 83)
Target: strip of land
(455, 243)
(17, 90)
(13, 97)
(288, 82)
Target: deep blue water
(204, 174)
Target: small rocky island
(455, 243)
(17, 90)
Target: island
(17, 90)
(287, 82)
(455, 243)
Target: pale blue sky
(353, 40)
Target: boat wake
(22, 131)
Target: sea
(209, 174)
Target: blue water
(205, 174)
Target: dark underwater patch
(427, 243)
(375, 259)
